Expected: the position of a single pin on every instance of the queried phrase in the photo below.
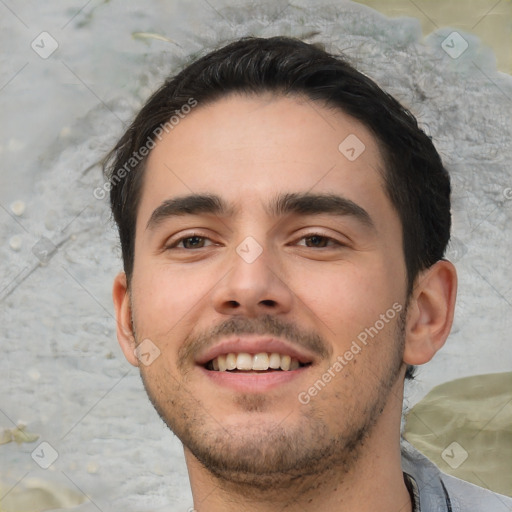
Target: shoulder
(469, 497)
(441, 492)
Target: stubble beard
(271, 454)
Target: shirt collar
(424, 477)
(412, 487)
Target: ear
(430, 312)
(125, 337)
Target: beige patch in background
(490, 20)
(465, 428)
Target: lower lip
(252, 382)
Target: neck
(374, 481)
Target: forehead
(248, 148)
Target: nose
(253, 288)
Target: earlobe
(430, 312)
(125, 337)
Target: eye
(319, 241)
(190, 242)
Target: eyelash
(173, 245)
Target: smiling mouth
(262, 362)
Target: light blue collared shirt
(434, 491)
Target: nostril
(271, 303)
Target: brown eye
(193, 242)
(316, 241)
(190, 242)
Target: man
(283, 223)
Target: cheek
(165, 298)
(345, 296)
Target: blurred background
(489, 20)
(76, 429)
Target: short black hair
(416, 181)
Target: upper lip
(254, 345)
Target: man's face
(269, 272)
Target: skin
(265, 450)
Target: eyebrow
(317, 204)
(285, 204)
(192, 204)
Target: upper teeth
(261, 361)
